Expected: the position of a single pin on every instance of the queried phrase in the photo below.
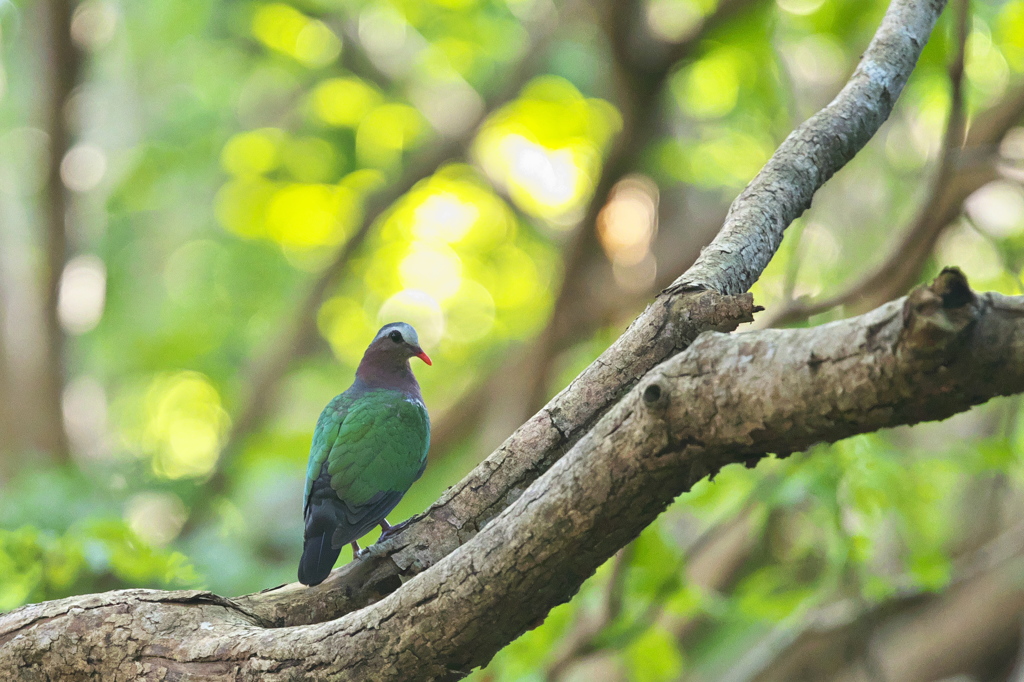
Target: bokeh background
(207, 208)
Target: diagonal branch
(729, 399)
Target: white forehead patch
(406, 330)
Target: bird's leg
(355, 549)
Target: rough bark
(729, 398)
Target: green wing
(326, 431)
(375, 442)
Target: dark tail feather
(318, 557)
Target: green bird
(369, 446)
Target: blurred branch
(710, 563)
(64, 67)
(731, 398)
(965, 166)
(8, 434)
(916, 635)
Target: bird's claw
(391, 530)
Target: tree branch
(840, 634)
(730, 398)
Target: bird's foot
(388, 530)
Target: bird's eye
(395, 336)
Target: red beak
(423, 356)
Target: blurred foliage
(226, 151)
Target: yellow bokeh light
(547, 182)
(545, 148)
(310, 214)
(283, 28)
(550, 175)
(1010, 33)
(252, 153)
(444, 217)
(434, 269)
(727, 157)
(385, 132)
(344, 101)
(346, 326)
(309, 159)
(800, 7)
(469, 314)
(185, 424)
(454, 206)
(710, 87)
(241, 205)
(517, 281)
(986, 65)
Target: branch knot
(655, 396)
(936, 315)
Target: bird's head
(396, 342)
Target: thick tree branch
(729, 398)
